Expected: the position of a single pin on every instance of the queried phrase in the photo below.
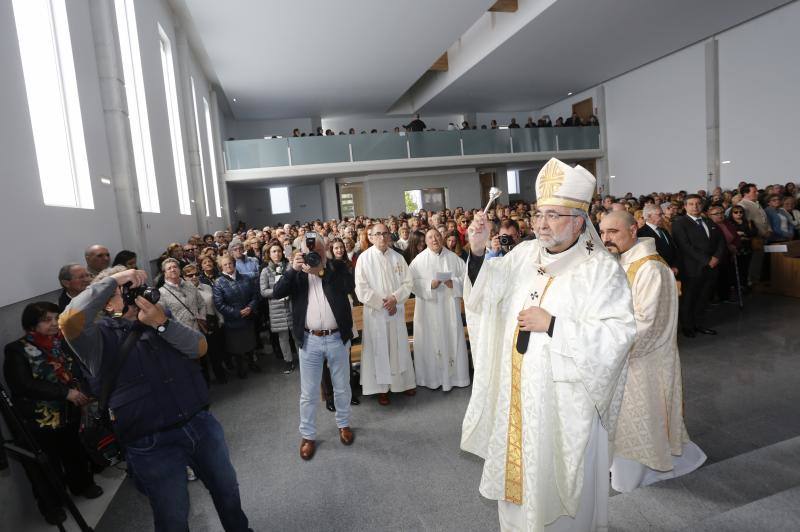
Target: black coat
(695, 248)
(337, 282)
(668, 250)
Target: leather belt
(323, 332)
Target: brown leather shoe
(346, 435)
(411, 393)
(307, 449)
(383, 399)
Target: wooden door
(487, 182)
(584, 109)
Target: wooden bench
(358, 324)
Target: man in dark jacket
(322, 325)
(416, 124)
(159, 406)
(653, 228)
(701, 246)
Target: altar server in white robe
(383, 284)
(440, 348)
(651, 443)
(550, 325)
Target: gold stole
(635, 265)
(514, 477)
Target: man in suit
(701, 246)
(653, 228)
(74, 279)
(322, 325)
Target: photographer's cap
(562, 185)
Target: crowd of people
(416, 125)
(235, 294)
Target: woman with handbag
(280, 310)
(44, 377)
(183, 300)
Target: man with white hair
(550, 326)
(653, 228)
(383, 284)
(440, 348)
(651, 442)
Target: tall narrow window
(199, 146)
(171, 88)
(279, 198)
(212, 158)
(53, 103)
(137, 105)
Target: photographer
(159, 405)
(505, 240)
(322, 324)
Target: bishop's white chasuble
(537, 419)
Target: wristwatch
(163, 327)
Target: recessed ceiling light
(105, 180)
(726, 162)
(234, 99)
(612, 177)
(568, 94)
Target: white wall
(252, 205)
(257, 129)
(387, 123)
(758, 77)
(655, 125)
(384, 195)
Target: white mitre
(560, 184)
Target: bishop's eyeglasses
(551, 216)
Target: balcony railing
(295, 151)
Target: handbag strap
(179, 300)
(111, 372)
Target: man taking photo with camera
(322, 325)
(158, 405)
(505, 239)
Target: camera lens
(312, 259)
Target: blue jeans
(158, 465)
(316, 349)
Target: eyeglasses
(189, 275)
(551, 216)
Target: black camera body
(129, 294)
(311, 258)
(506, 241)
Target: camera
(311, 258)
(506, 241)
(129, 294)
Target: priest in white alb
(550, 325)
(440, 348)
(651, 442)
(383, 284)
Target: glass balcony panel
(318, 150)
(481, 141)
(256, 153)
(577, 138)
(547, 138)
(378, 146)
(526, 140)
(434, 143)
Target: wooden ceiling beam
(505, 6)
(440, 65)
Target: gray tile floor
(405, 471)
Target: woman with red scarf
(43, 375)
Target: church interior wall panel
(759, 115)
(385, 196)
(655, 125)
